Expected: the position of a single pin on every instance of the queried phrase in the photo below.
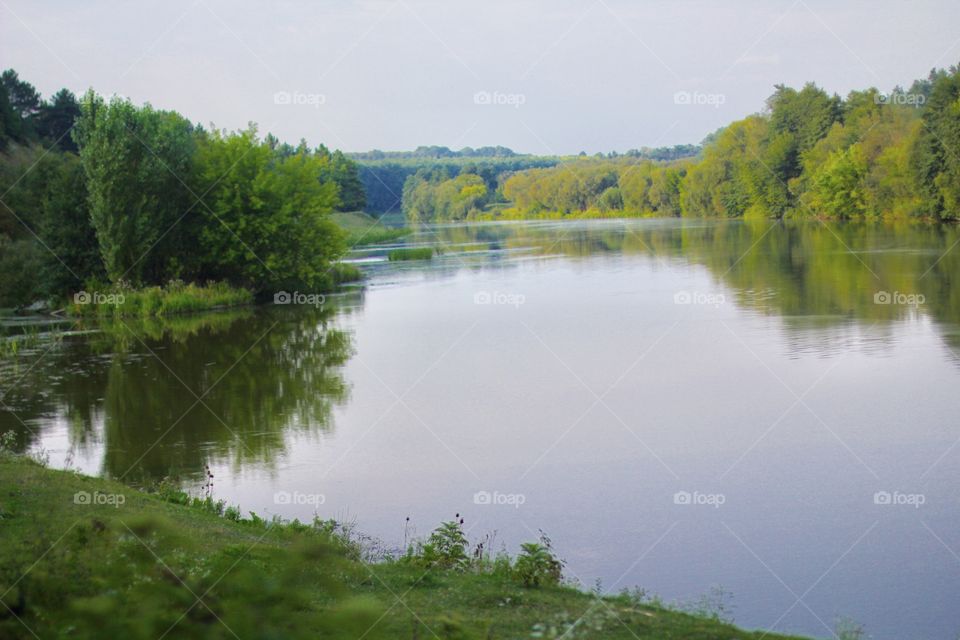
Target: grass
(412, 253)
(126, 563)
(363, 229)
(11, 346)
(171, 299)
(344, 273)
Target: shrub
(537, 565)
(446, 548)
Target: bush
(446, 548)
(537, 565)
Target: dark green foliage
(10, 127)
(57, 118)
(18, 257)
(345, 173)
(411, 253)
(936, 154)
(24, 101)
(71, 254)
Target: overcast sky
(539, 76)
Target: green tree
(839, 185)
(265, 222)
(24, 100)
(73, 254)
(935, 156)
(137, 162)
(56, 118)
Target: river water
(762, 413)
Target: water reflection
(837, 272)
(498, 397)
(160, 397)
(167, 397)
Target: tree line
(98, 190)
(808, 154)
(384, 174)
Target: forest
(99, 192)
(807, 154)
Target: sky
(538, 76)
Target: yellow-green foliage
(458, 198)
(810, 154)
(596, 188)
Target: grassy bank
(177, 298)
(91, 558)
(171, 299)
(363, 229)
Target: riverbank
(363, 229)
(171, 299)
(96, 558)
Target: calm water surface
(679, 405)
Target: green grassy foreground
(83, 557)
